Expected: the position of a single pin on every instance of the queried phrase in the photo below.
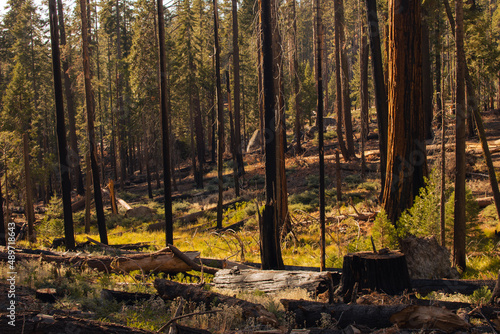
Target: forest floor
(349, 227)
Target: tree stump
(386, 272)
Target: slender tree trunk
(406, 159)
(269, 236)
(294, 69)
(338, 81)
(346, 98)
(319, 122)
(379, 84)
(220, 117)
(233, 139)
(461, 115)
(88, 194)
(237, 91)
(30, 214)
(99, 99)
(437, 51)
(74, 156)
(443, 180)
(261, 96)
(89, 99)
(69, 235)
(363, 56)
(3, 235)
(427, 89)
(119, 96)
(165, 115)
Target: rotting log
(169, 290)
(32, 322)
(309, 313)
(161, 261)
(223, 264)
(387, 272)
(272, 281)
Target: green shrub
(307, 198)
(353, 179)
(383, 232)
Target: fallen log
(161, 261)
(32, 322)
(223, 264)
(78, 204)
(169, 290)
(190, 262)
(483, 202)
(272, 281)
(129, 298)
(309, 313)
(465, 287)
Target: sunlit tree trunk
(459, 230)
(406, 154)
(338, 81)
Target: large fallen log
(169, 290)
(309, 313)
(465, 287)
(272, 281)
(122, 296)
(32, 322)
(160, 261)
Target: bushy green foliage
(423, 218)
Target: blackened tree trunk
(89, 99)
(338, 82)
(344, 70)
(319, 122)
(237, 90)
(459, 230)
(379, 84)
(406, 158)
(198, 128)
(64, 166)
(220, 117)
(269, 236)
(165, 115)
(233, 138)
(74, 157)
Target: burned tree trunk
(69, 234)
(89, 99)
